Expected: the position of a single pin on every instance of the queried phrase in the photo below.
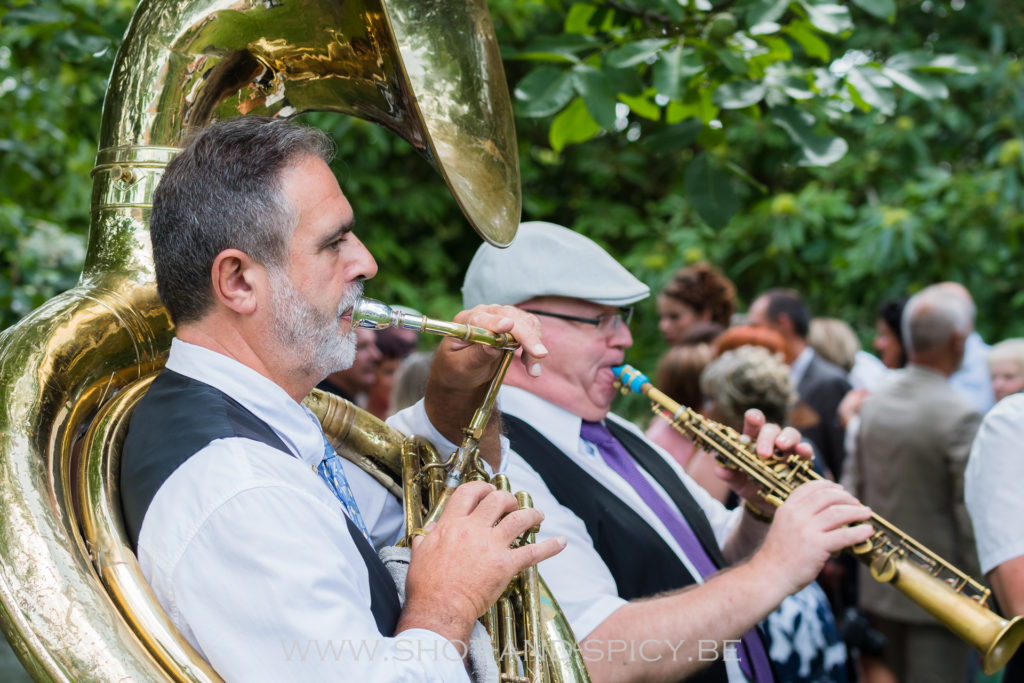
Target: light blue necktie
(334, 476)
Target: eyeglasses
(608, 322)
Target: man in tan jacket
(908, 466)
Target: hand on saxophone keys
(817, 520)
(770, 441)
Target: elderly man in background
(637, 525)
(908, 465)
(257, 539)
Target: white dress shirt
(249, 553)
(993, 481)
(973, 380)
(578, 577)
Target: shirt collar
(261, 396)
(800, 364)
(557, 425)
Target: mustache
(348, 301)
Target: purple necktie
(752, 654)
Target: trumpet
(945, 592)
(530, 636)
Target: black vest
(179, 416)
(639, 559)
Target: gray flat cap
(548, 260)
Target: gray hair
(223, 191)
(932, 316)
(749, 377)
(835, 341)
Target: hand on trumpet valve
(468, 554)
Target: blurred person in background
(411, 379)
(972, 378)
(678, 375)
(394, 344)
(804, 643)
(835, 341)
(1006, 366)
(888, 340)
(696, 293)
(820, 385)
(353, 383)
(908, 465)
(749, 335)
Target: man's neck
(229, 341)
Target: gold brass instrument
(531, 638)
(72, 600)
(945, 592)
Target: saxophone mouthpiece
(630, 378)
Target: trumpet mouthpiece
(376, 315)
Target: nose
(360, 265)
(621, 337)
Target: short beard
(310, 335)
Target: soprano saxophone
(945, 592)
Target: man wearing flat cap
(637, 525)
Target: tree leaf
(814, 46)
(572, 126)
(577, 19)
(675, 137)
(762, 11)
(738, 94)
(674, 67)
(828, 18)
(642, 106)
(925, 87)
(544, 91)
(592, 86)
(696, 102)
(559, 49)
(732, 61)
(635, 53)
(883, 9)
(817, 149)
(871, 88)
(709, 190)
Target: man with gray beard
(257, 539)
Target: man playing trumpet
(257, 540)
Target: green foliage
(725, 64)
(54, 60)
(687, 159)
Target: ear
(236, 279)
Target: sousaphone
(428, 70)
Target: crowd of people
(895, 429)
(254, 534)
